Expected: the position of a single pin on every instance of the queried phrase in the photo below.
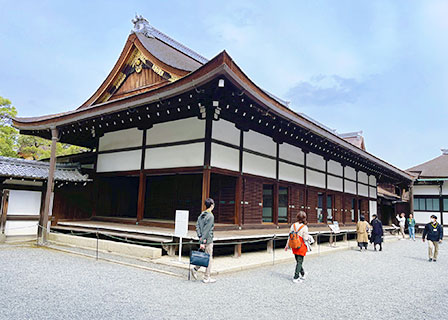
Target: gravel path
(397, 283)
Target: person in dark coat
(377, 232)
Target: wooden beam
(238, 199)
(50, 184)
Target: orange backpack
(295, 241)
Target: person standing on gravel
(299, 230)
(402, 222)
(411, 226)
(377, 232)
(434, 233)
(362, 228)
(204, 230)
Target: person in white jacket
(402, 222)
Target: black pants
(362, 245)
(299, 267)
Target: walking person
(411, 226)
(298, 236)
(434, 233)
(204, 230)
(362, 229)
(377, 232)
(402, 222)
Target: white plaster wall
(350, 187)
(259, 142)
(372, 181)
(335, 183)
(314, 178)
(372, 192)
(373, 206)
(291, 153)
(24, 202)
(425, 216)
(225, 157)
(445, 188)
(121, 139)
(291, 173)
(426, 190)
(315, 161)
(363, 177)
(189, 155)
(21, 228)
(119, 161)
(257, 165)
(350, 173)
(178, 130)
(226, 131)
(445, 220)
(335, 168)
(363, 190)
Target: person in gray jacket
(204, 230)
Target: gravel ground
(397, 283)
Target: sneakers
(298, 280)
(303, 277)
(430, 259)
(194, 273)
(209, 280)
(434, 260)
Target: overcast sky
(376, 66)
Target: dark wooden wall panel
(253, 196)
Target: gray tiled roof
(32, 169)
(436, 168)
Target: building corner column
(50, 185)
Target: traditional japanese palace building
(430, 189)
(169, 128)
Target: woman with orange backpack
(298, 236)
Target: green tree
(8, 134)
(31, 147)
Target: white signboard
(181, 226)
(335, 227)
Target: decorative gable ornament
(141, 25)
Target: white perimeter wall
(23, 202)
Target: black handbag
(199, 258)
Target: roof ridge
(141, 25)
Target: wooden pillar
(238, 200)
(205, 186)
(50, 184)
(3, 212)
(270, 246)
(237, 250)
(41, 211)
(95, 186)
(142, 182)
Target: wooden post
(41, 211)
(237, 250)
(50, 185)
(205, 187)
(142, 180)
(238, 199)
(3, 212)
(270, 246)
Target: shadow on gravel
(281, 275)
(416, 258)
